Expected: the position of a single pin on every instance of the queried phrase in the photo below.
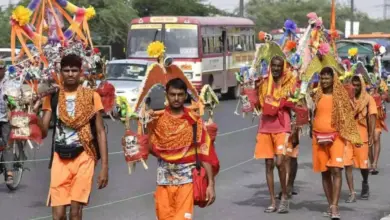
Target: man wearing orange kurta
(333, 126)
(365, 115)
(171, 138)
(274, 128)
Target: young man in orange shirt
(365, 112)
(333, 125)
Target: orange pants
(360, 156)
(270, 145)
(71, 180)
(174, 202)
(328, 156)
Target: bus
(209, 50)
(378, 37)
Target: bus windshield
(181, 40)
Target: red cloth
(212, 129)
(142, 152)
(186, 154)
(107, 92)
(34, 130)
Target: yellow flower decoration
(90, 12)
(156, 49)
(22, 15)
(353, 52)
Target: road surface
(241, 188)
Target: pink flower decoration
(324, 48)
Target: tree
(177, 8)
(271, 14)
(5, 27)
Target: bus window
(141, 35)
(205, 45)
(217, 45)
(230, 43)
(211, 44)
(181, 40)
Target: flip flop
(270, 209)
(10, 180)
(374, 172)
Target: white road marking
(150, 193)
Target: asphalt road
(241, 188)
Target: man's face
(357, 85)
(276, 67)
(326, 80)
(71, 75)
(176, 98)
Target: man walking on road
(172, 142)
(274, 128)
(78, 139)
(365, 116)
(333, 125)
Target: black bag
(69, 151)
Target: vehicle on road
(127, 75)
(209, 50)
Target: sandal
(283, 207)
(335, 216)
(351, 198)
(270, 209)
(327, 214)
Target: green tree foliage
(5, 28)
(178, 7)
(271, 14)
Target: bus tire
(234, 92)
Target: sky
(372, 7)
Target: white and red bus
(209, 50)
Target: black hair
(176, 83)
(327, 70)
(71, 60)
(355, 78)
(277, 57)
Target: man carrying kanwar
(275, 127)
(79, 138)
(365, 116)
(333, 126)
(171, 136)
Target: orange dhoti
(174, 202)
(328, 156)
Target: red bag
(107, 93)
(302, 115)
(25, 127)
(135, 146)
(350, 90)
(199, 176)
(253, 99)
(270, 108)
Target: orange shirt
(46, 105)
(323, 115)
(372, 110)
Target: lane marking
(150, 193)
(121, 152)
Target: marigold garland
(21, 15)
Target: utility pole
(386, 5)
(352, 14)
(241, 8)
